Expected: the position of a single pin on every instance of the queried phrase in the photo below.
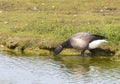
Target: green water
(27, 69)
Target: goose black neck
(57, 50)
(65, 44)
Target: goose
(81, 41)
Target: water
(58, 70)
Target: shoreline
(103, 51)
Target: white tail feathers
(97, 43)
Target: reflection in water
(58, 70)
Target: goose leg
(82, 52)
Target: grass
(46, 23)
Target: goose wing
(82, 40)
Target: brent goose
(81, 41)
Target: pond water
(58, 70)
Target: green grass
(49, 22)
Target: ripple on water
(95, 76)
(26, 71)
(37, 70)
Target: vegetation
(37, 24)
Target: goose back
(82, 40)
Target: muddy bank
(41, 47)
